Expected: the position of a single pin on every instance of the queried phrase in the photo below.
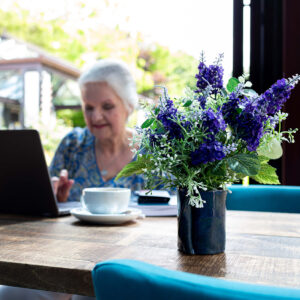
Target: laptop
(25, 184)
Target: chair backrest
(135, 280)
(272, 198)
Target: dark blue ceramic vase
(202, 230)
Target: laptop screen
(25, 185)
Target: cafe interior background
(44, 47)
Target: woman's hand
(62, 186)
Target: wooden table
(59, 254)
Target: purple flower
(154, 138)
(272, 100)
(230, 108)
(168, 117)
(246, 119)
(202, 101)
(249, 127)
(209, 151)
(212, 121)
(212, 75)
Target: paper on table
(158, 210)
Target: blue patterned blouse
(76, 153)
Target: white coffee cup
(107, 200)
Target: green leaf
(156, 111)
(223, 92)
(219, 169)
(160, 129)
(135, 167)
(272, 150)
(232, 84)
(240, 176)
(154, 125)
(246, 164)
(187, 103)
(147, 123)
(267, 175)
(263, 159)
(250, 93)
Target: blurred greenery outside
(150, 64)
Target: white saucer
(109, 219)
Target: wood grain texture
(59, 254)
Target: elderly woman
(93, 156)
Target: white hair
(117, 75)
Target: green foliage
(135, 167)
(71, 41)
(232, 84)
(246, 164)
(187, 103)
(176, 71)
(267, 174)
(49, 35)
(249, 93)
(145, 83)
(147, 123)
(196, 145)
(272, 149)
(72, 118)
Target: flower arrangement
(212, 136)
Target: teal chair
(272, 198)
(135, 280)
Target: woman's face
(104, 112)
